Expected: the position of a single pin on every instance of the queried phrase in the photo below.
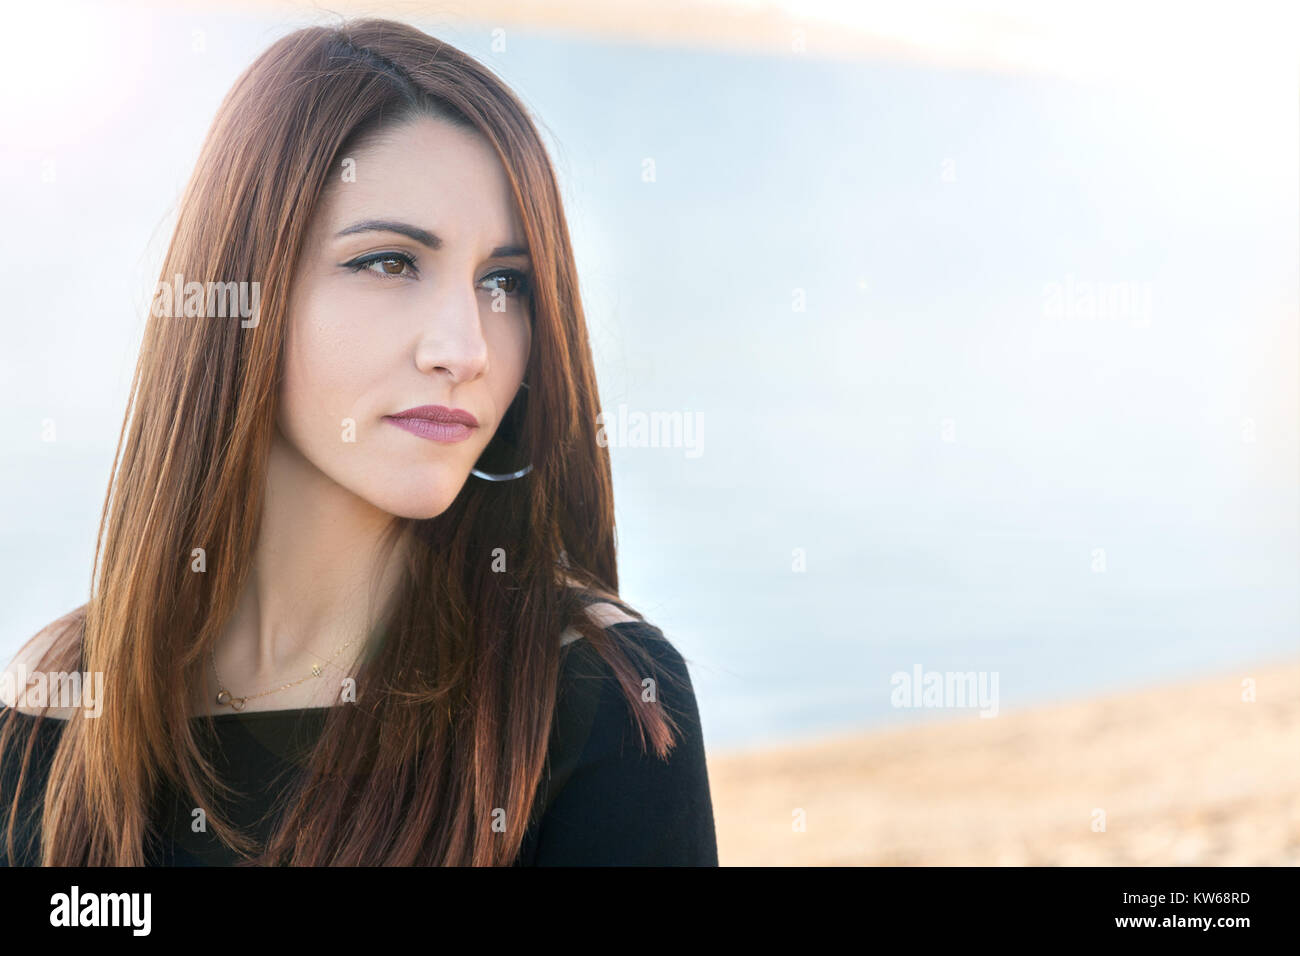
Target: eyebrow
(423, 236)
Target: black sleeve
(31, 803)
(620, 805)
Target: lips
(439, 414)
(436, 422)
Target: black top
(602, 800)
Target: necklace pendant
(315, 671)
(238, 702)
(223, 697)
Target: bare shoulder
(40, 651)
(605, 614)
(653, 656)
(602, 615)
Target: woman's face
(412, 291)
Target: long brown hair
(457, 688)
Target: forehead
(430, 173)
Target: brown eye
(395, 265)
(515, 283)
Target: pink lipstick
(436, 422)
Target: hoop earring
(507, 476)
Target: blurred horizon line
(1100, 41)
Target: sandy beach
(1186, 774)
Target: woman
(355, 591)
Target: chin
(419, 503)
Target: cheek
(327, 364)
(509, 344)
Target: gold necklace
(225, 697)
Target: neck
(323, 574)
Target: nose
(452, 337)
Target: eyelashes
(523, 284)
(402, 262)
(363, 264)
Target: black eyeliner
(360, 263)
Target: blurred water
(947, 451)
